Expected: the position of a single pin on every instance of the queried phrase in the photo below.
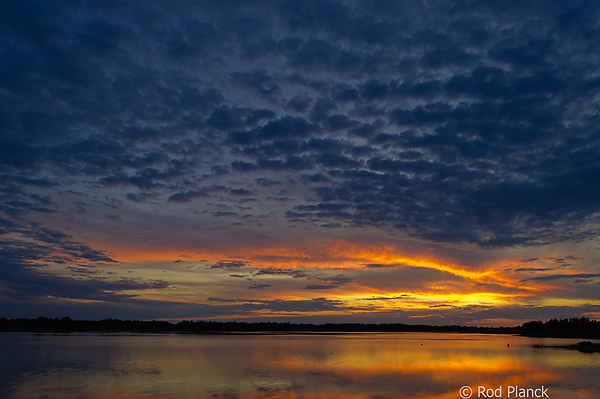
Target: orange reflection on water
(357, 366)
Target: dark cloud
(314, 305)
(576, 276)
(460, 123)
(331, 282)
(25, 276)
(240, 191)
(533, 269)
(31, 285)
(225, 118)
(283, 305)
(316, 178)
(266, 182)
(41, 243)
(299, 103)
(259, 286)
(295, 273)
(228, 264)
(219, 170)
(141, 197)
(319, 287)
(222, 214)
(212, 299)
(259, 81)
(187, 196)
(243, 166)
(378, 265)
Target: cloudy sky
(310, 161)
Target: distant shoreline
(583, 346)
(554, 328)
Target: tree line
(573, 327)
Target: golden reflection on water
(406, 365)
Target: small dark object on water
(582, 346)
(508, 345)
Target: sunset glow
(315, 161)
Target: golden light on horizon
(351, 277)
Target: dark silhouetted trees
(567, 328)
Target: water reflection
(405, 365)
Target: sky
(419, 162)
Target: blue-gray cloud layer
(469, 121)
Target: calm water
(402, 365)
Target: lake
(396, 365)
